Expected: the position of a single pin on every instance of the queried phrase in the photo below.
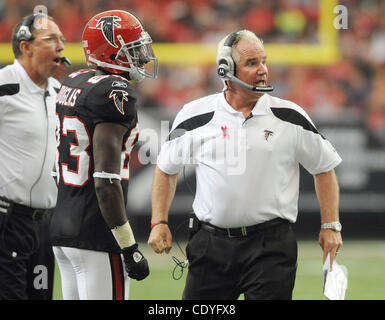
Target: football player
(97, 126)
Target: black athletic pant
(19, 254)
(261, 265)
(41, 264)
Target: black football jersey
(84, 100)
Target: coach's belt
(37, 214)
(8, 206)
(242, 231)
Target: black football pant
(261, 265)
(41, 264)
(26, 268)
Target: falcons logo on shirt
(119, 96)
(268, 134)
(108, 25)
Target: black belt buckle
(38, 214)
(6, 206)
(242, 232)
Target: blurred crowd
(355, 83)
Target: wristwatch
(335, 225)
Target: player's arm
(327, 190)
(107, 147)
(163, 191)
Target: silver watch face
(337, 226)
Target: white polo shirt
(27, 138)
(247, 170)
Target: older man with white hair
(247, 146)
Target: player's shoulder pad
(106, 84)
(195, 109)
(112, 98)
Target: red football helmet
(116, 41)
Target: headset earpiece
(225, 62)
(225, 66)
(24, 33)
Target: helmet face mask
(139, 57)
(116, 41)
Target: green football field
(364, 260)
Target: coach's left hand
(330, 241)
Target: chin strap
(107, 65)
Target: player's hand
(136, 264)
(160, 239)
(330, 242)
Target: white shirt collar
(27, 81)
(260, 107)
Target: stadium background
(336, 75)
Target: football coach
(246, 146)
(27, 155)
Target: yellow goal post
(326, 51)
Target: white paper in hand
(335, 281)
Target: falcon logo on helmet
(119, 96)
(108, 25)
(115, 41)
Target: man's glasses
(54, 40)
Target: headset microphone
(249, 87)
(65, 61)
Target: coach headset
(24, 33)
(226, 65)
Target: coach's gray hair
(243, 34)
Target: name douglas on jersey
(67, 96)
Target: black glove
(136, 264)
